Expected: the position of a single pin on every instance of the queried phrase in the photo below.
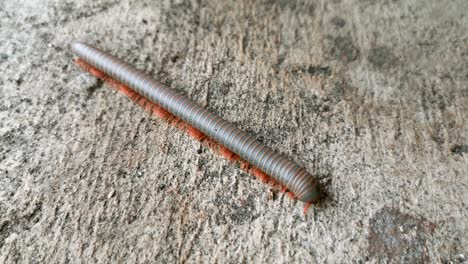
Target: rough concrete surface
(370, 96)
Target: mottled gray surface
(371, 96)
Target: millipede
(200, 123)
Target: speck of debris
(175, 58)
(91, 89)
(144, 21)
(315, 70)
(199, 151)
(459, 149)
(139, 174)
(272, 195)
(461, 258)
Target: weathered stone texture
(371, 96)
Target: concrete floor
(370, 96)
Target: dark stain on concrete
(381, 57)
(338, 22)
(91, 89)
(312, 104)
(22, 222)
(304, 7)
(243, 211)
(3, 57)
(240, 212)
(344, 48)
(398, 237)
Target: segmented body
(292, 176)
